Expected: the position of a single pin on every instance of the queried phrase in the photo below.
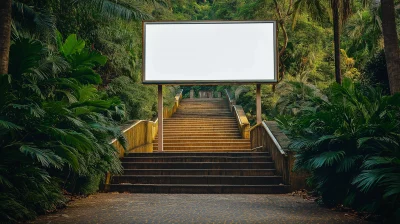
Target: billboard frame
(209, 82)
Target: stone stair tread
(207, 169)
(200, 188)
(207, 150)
(205, 157)
(195, 153)
(201, 176)
(200, 162)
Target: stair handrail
(178, 95)
(168, 112)
(240, 116)
(230, 100)
(270, 138)
(274, 140)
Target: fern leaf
(46, 157)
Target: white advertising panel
(203, 52)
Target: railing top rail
(257, 125)
(242, 118)
(178, 95)
(278, 146)
(127, 129)
(227, 94)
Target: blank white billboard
(209, 52)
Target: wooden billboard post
(160, 119)
(258, 103)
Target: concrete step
(200, 116)
(198, 159)
(200, 125)
(183, 134)
(201, 140)
(207, 109)
(245, 145)
(199, 189)
(220, 120)
(232, 118)
(196, 179)
(225, 113)
(205, 132)
(202, 148)
(196, 124)
(198, 165)
(229, 172)
(173, 154)
(195, 129)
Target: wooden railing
(268, 137)
(240, 115)
(141, 133)
(139, 137)
(167, 113)
(230, 100)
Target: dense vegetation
(74, 75)
(348, 141)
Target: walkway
(195, 208)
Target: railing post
(160, 119)
(258, 103)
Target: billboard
(209, 52)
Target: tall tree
(340, 13)
(281, 22)
(5, 31)
(391, 43)
(336, 40)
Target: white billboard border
(208, 82)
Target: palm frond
(328, 158)
(46, 157)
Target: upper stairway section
(203, 124)
(203, 108)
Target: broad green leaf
(72, 45)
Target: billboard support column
(160, 119)
(258, 103)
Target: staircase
(202, 125)
(203, 153)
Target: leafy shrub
(350, 146)
(55, 126)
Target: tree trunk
(336, 39)
(392, 53)
(5, 32)
(285, 40)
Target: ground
(195, 208)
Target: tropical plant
(350, 146)
(55, 126)
(296, 97)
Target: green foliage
(296, 97)
(375, 72)
(350, 146)
(54, 125)
(140, 100)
